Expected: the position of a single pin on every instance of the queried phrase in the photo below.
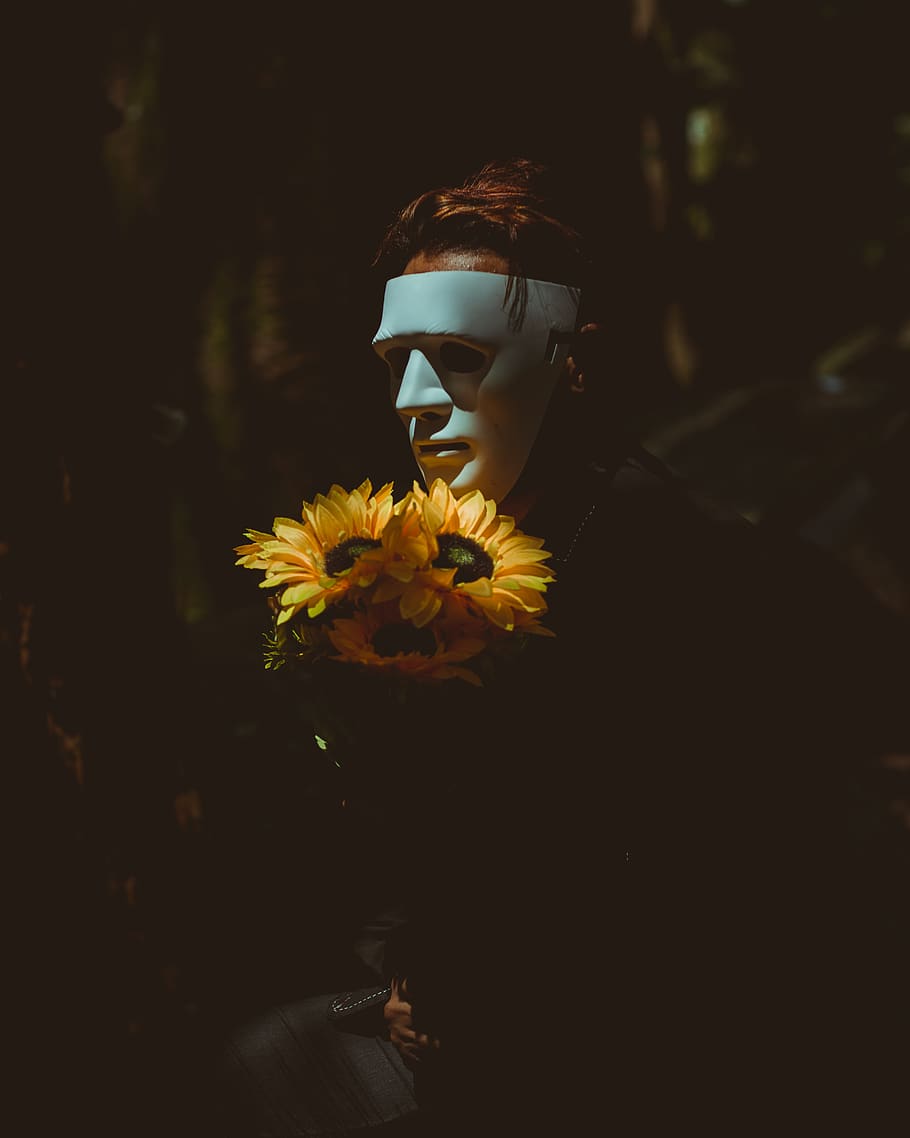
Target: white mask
(472, 389)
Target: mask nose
(421, 394)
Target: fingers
(396, 1008)
(394, 1012)
(417, 1052)
(412, 1046)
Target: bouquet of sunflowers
(401, 595)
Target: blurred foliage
(790, 215)
(197, 192)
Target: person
(663, 892)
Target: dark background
(196, 196)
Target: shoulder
(650, 535)
(650, 522)
(701, 581)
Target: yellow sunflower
(379, 638)
(324, 557)
(481, 563)
(410, 549)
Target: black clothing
(308, 1075)
(662, 891)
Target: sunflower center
(394, 638)
(465, 556)
(343, 555)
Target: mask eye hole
(461, 358)
(397, 359)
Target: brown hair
(508, 207)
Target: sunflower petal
(296, 594)
(419, 605)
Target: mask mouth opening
(433, 448)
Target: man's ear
(581, 355)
